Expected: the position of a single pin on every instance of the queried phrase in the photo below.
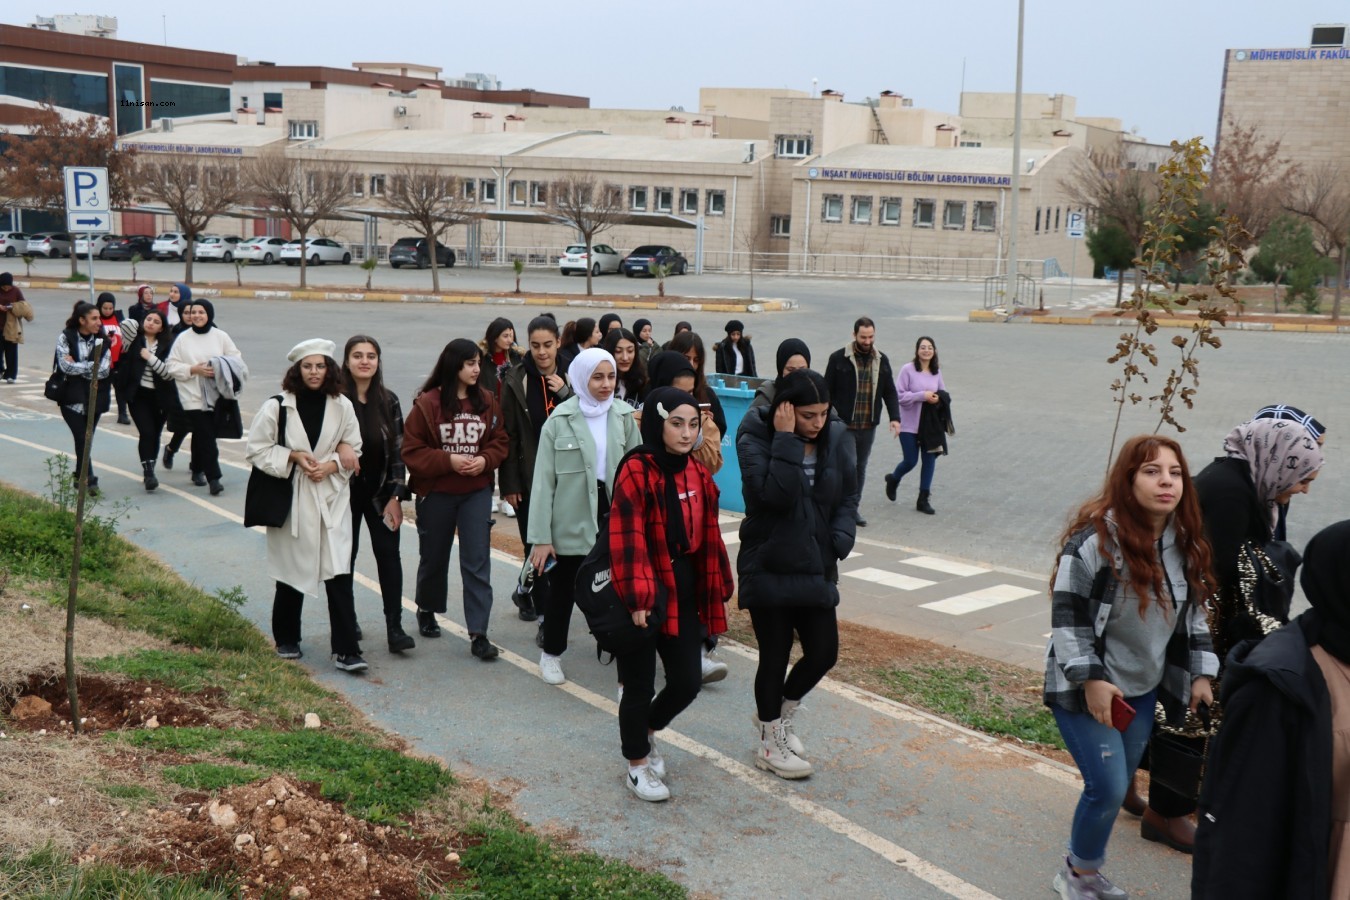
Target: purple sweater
(910, 385)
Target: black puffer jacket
(794, 535)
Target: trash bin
(735, 393)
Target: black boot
(426, 624)
(148, 466)
(923, 505)
(399, 640)
(168, 457)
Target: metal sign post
(87, 208)
(1074, 230)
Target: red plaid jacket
(640, 558)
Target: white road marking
(889, 579)
(980, 599)
(944, 565)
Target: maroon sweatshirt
(430, 435)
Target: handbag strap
(281, 421)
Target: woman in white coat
(315, 543)
(191, 362)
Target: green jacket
(564, 500)
(517, 471)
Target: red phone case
(1122, 714)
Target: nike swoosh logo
(601, 580)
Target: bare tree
(1250, 177)
(304, 192)
(432, 202)
(750, 236)
(195, 190)
(589, 207)
(1322, 196)
(1121, 197)
(34, 162)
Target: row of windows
(1047, 224)
(535, 193)
(792, 146)
(191, 99)
(70, 90)
(888, 211)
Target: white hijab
(595, 411)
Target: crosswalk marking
(946, 566)
(979, 599)
(889, 579)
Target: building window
(985, 215)
(1038, 220)
(637, 199)
(487, 191)
(518, 193)
(665, 199)
(538, 193)
(780, 226)
(970, 143)
(717, 203)
(861, 213)
(304, 129)
(377, 185)
(191, 99)
(311, 182)
(127, 80)
(832, 208)
(924, 213)
(954, 215)
(466, 188)
(358, 185)
(86, 93)
(792, 146)
(1056, 218)
(890, 210)
(272, 100)
(689, 202)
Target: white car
(212, 246)
(170, 245)
(317, 250)
(602, 258)
(50, 243)
(265, 250)
(13, 243)
(101, 242)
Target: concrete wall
(742, 103)
(1299, 100)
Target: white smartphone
(389, 522)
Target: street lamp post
(1011, 294)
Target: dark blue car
(639, 261)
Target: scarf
(539, 400)
(666, 366)
(1326, 584)
(1278, 453)
(658, 407)
(790, 348)
(595, 412)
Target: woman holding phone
(1128, 605)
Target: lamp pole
(1015, 219)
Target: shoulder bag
(267, 501)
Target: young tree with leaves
(1286, 248)
(588, 207)
(431, 202)
(1250, 177)
(304, 192)
(1121, 197)
(195, 190)
(1111, 248)
(1322, 196)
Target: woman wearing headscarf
(1266, 462)
(642, 329)
(76, 348)
(314, 545)
(580, 447)
(192, 363)
(609, 322)
(14, 310)
(1316, 429)
(793, 354)
(179, 426)
(671, 570)
(145, 302)
(1276, 798)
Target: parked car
(101, 242)
(602, 258)
(50, 243)
(212, 246)
(317, 250)
(638, 262)
(13, 243)
(170, 245)
(265, 250)
(129, 245)
(411, 251)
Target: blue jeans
(909, 445)
(1107, 760)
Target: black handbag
(228, 420)
(267, 500)
(1176, 755)
(55, 388)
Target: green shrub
(211, 776)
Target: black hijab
(657, 407)
(1326, 584)
(210, 316)
(790, 348)
(665, 367)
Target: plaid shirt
(866, 395)
(639, 555)
(1084, 592)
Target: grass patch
(211, 776)
(523, 866)
(49, 874)
(968, 695)
(133, 792)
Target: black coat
(842, 378)
(794, 535)
(935, 423)
(1233, 515)
(1265, 806)
(724, 358)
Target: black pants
(561, 585)
(639, 713)
(76, 421)
(117, 392)
(9, 359)
(149, 419)
(205, 453)
(176, 439)
(288, 602)
(383, 543)
(818, 632)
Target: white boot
(774, 754)
(790, 707)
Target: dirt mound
(279, 837)
(109, 703)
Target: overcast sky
(1157, 66)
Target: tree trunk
(435, 271)
(1340, 287)
(590, 249)
(188, 258)
(303, 264)
(1120, 288)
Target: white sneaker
(790, 708)
(713, 669)
(646, 784)
(655, 761)
(508, 509)
(550, 669)
(775, 756)
(1071, 886)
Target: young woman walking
(76, 348)
(380, 485)
(670, 568)
(799, 479)
(454, 442)
(14, 311)
(180, 296)
(111, 318)
(1128, 607)
(147, 386)
(313, 546)
(192, 362)
(917, 385)
(642, 329)
(632, 381)
(580, 447)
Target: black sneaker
(168, 457)
(399, 640)
(891, 485)
(524, 605)
(289, 651)
(482, 648)
(199, 479)
(539, 636)
(216, 487)
(426, 624)
(351, 662)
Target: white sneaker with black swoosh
(645, 784)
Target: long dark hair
(82, 309)
(377, 398)
(163, 342)
(635, 379)
(578, 332)
(293, 382)
(932, 363)
(494, 331)
(681, 344)
(445, 375)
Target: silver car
(50, 243)
(13, 243)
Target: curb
(989, 316)
(712, 304)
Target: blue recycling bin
(735, 393)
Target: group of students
(1172, 643)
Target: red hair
(1133, 530)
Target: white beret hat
(312, 347)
